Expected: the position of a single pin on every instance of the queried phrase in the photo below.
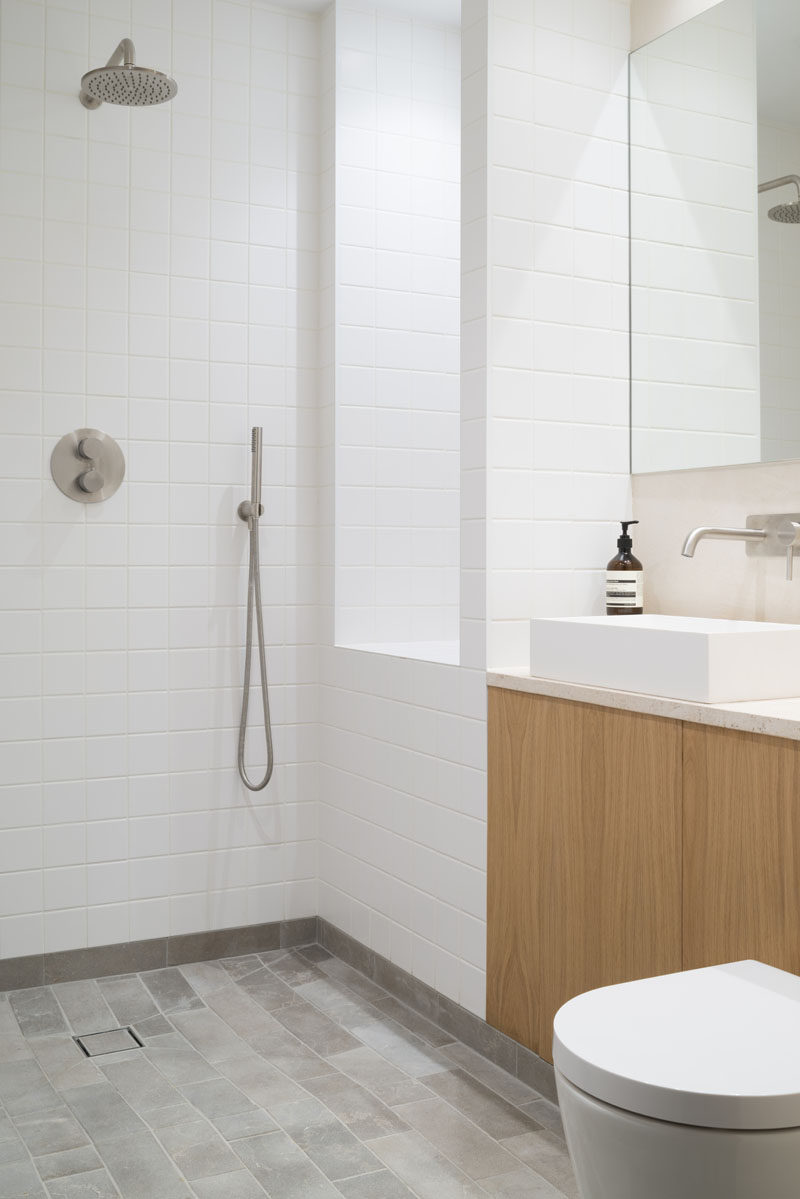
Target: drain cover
(114, 1040)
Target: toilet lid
(718, 1047)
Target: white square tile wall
(397, 329)
(158, 281)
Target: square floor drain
(114, 1040)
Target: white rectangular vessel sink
(682, 657)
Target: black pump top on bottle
(625, 543)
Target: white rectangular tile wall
(694, 244)
(403, 742)
(397, 325)
(158, 281)
(778, 298)
(558, 311)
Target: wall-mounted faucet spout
(698, 535)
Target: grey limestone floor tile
(364, 987)
(128, 998)
(358, 1109)
(239, 967)
(170, 990)
(13, 1151)
(337, 1001)
(546, 1114)
(240, 1184)
(314, 1028)
(489, 1074)
(209, 1034)
(197, 1150)
(315, 953)
(428, 1173)
(84, 1006)
(103, 1113)
(152, 1027)
(18, 1179)
(141, 1169)
(37, 1012)
(401, 1047)
(521, 1184)
(180, 1066)
(374, 1072)
(51, 1131)
(261, 1082)
(282, 1168)
(546, 1154)
(24, 1088)
(140, 1084)
(14, 1047)
(245, 1124)
(485, 1108)
(95, 1184)
(292, 968)
(217, 1097)
(68, 1161)
(166, 1117)
(205, 977)
(267, 989)
(383, 1185)
(324, 1139)
(478, 1155)
(425, 1029)
(283, 1050)
(64, 1063)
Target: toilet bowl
(685, 1086)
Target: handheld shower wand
(250, 511)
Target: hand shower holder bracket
(246, 510)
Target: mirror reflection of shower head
(784, 214)
(120, 81)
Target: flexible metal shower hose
(254, 605)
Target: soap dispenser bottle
(624, 578)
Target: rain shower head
(120, 81)
(784, 214)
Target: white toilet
(685, 1086)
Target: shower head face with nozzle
(128, 85)
(786, 214)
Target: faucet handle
(788, 534)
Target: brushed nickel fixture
(784, 214)
(766, 536)
(249, 511)
(87, 465)
(120, 81)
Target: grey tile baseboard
(101, 960)
(489, 1042)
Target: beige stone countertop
(772, 717)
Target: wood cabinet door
(741, 848)
(584, 842)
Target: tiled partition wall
(694, 304)
(402, 827)
(557, 301)
(398, 85)
(158, 282)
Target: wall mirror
(715, 240)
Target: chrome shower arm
(784, 181)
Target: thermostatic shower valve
(87, 466)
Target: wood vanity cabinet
(622, 845)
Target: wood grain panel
(584, 879)
(741, 848)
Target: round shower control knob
(90, 481)
(90, 448)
